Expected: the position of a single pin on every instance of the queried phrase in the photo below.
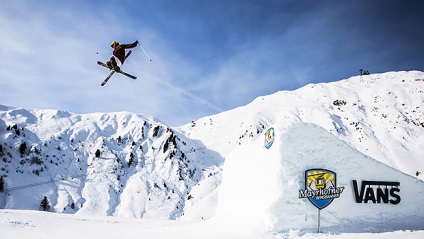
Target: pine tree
(44, 205)
(22, 148)
(1, 184)
(97, 153)
(131, 159)
(156, 131)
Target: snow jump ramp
(272, 189)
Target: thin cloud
(206, 57)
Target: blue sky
(208, 56)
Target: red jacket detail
(119, 50)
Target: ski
(127, 75)
(107, 78)
(120, 72)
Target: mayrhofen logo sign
(320, 187)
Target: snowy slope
(381, 115)
(118, 164)
(34, 224)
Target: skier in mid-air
(119, 53)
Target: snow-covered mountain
(381, 115)
(123, 164)
(103, 164)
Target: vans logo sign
(377, 192)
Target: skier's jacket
(119, 50)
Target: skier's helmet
(114, 43)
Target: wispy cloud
(207, 57)
(49, 62)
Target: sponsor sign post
(320, 189)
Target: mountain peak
(378, 114)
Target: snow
(35, 224)
(213, 177)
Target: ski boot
(113, 67)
